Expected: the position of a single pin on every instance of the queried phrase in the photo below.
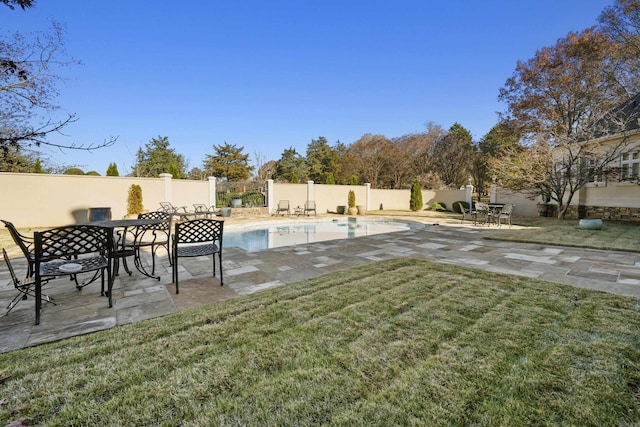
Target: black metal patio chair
(73, 250)
(151, 236)
(198, 237)
(25, 288)
(25, 243)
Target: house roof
(623, 118)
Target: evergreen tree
(321, 159)
(158, 158)
(330, 179)
(290, 164)
(415, 204)
(228, 162)
(112, 170)
(37, 167)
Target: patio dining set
(487, 213)
(92, 252)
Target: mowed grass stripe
(535, 369)
(400, 342)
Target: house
(613, 192)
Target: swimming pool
(274, 235)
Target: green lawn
(399, 342)
(623, 236)
(614, 235)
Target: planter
(225, 211)
(361, 210)
(352, 211)
(341, 210)
(590, 224)
(236, 203)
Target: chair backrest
(72, 240)
(200, 208)
(480, 206)
(283, 204)
(506, 209)
(199, 231)
(25, 243)
(310, 205)
(14, 278)
(165, 217)
(167, 207)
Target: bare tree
(399, 166)
(621, 22)
(370, 155)
(557, 171)
(451, 156)
(264, 169)
(24, 4)
(562, 98)
(28, 79)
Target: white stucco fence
(41, 200)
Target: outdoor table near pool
(267, 236)
(120, 250)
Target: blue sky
(272, 75)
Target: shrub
(352, 199)
(456, 206)
(330, 179)
(224, 199)
(73, 171)
(134, 200)
(415, 204)
(252, 198)
(439, 207)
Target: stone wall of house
(610, 213)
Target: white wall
(42, 200)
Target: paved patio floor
(137, 298)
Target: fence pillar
(269, 195)
(167, 186)
(310, 191)
(213, 194)
(469, 195)
(367, 197)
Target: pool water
(276, 235)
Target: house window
(630, 166)
(595, 173)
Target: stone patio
(137, 298)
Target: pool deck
(137, 298)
